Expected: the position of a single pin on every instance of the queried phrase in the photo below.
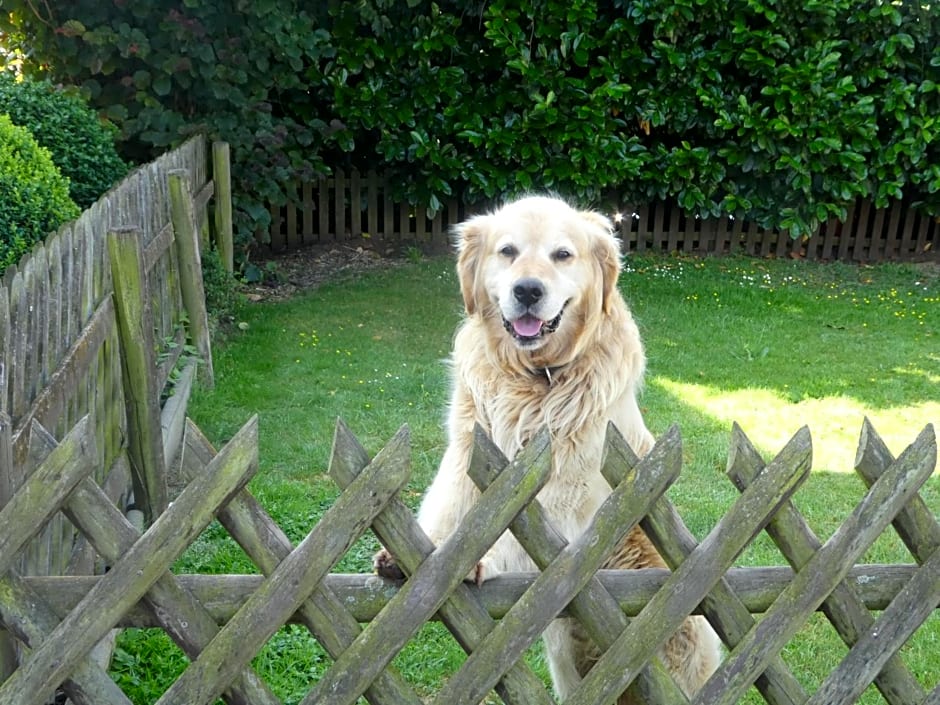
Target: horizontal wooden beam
(366, 595)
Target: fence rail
(221, 622)
(353, 206)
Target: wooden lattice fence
(93, 325)
(356, 207)
(221, 622)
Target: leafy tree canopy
(785, 111)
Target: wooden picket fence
(354, 206)
(93, 327)
(222, 621)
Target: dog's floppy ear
(607, 251)
(470, 236)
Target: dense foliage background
(784, 111)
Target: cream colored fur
(573, 379)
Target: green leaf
(162, 85)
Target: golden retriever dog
(549, 341)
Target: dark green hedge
(34, 196)
(785, 111)
(81, 144)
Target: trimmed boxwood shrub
(81, 144)
(34, 196)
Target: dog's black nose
(528, 291)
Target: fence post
(190, 263)
(138, 367)
(222, 178)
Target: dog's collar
(548, 373)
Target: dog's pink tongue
(527, 326)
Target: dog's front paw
(383, 563)
(482, 571)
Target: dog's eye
(508, 251)
(561, 254)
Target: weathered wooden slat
(355, 204)
(339, 204)
(6, 458)
(190, 265)
(822, 573)
(307, 236)
(323, 613)
(906, 249)
(323, 210)
(55, 302)
(8, 657)
(428, 587)
(421, 222)
(44, 366)
(141, 566)
(398, 530)
(73, 275)
(868, 657)
(843, 607)
(19, 346)
(6, 356)
(915, 523)
(135, 323)
(641, 229)
(862, 234)
(594, 607)
(926, 224)
(892, 235)
(846, 234)
(292, 581)
(876, 242)
(404, 222)
(32, 622)
(388, 211)
(675, 218)
(372, 203)
(619, 665)
(829, 243)
(45, 490)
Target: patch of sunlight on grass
(835, 422)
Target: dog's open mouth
(529, 328)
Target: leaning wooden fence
(221, 622)
(93, 324)
(353, 206)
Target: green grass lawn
(773, 345)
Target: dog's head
(539, 268)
